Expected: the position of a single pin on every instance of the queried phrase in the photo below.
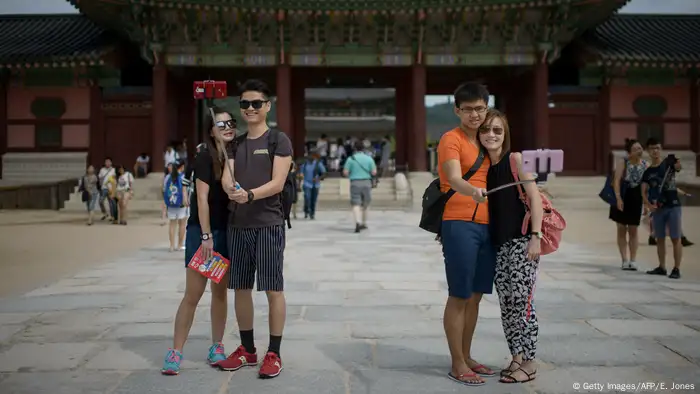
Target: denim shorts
(470, 258)
(667, 218)
(193, 240)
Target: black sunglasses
(256, 104)
(224, 124)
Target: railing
(50, 195)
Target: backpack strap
(272, 144)
(475, 167)
(516, 177)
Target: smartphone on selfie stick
(209, 90)
(538, 162)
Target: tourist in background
(627, 212)
(322, 149)
(170, 156)
(517, 255)
(125, 192)
(141, 165)
(105, 173)
(176, 200)
(182, 151)
(111, 190)
(206, 229)
(660, 197)
(313, 171)
(89, 188)
(360, 169)
(385, 156)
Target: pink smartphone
(543, 161)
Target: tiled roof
(647, 40)
(49, 41)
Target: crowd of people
(234, 198)
(110, 189)
(646, 191)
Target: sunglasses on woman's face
(226, 124)
(256, 104)
(488, 129)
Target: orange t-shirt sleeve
(448, 148)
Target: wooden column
(298, 116)
(159, 117)
(417, 136)
(4, 87)
(401, 125)
(605, 156)
(695, 120)
(540, 105)
(96, 152)
(284, 100)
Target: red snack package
(214, 268)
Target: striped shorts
(256, 250)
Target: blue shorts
(667, 218)
(470, 259)
(193, 240)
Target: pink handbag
(553, 223)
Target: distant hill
(439, 119)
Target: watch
(537, 234)
(251, 196)
(206, 236)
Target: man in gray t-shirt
(256, 227)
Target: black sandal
(508, 371)
(510, 379)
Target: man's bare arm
(453, 172)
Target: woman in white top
(125, 191)
(170, 156)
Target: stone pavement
(364, 316)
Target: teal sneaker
(216, 354)
(171, 365)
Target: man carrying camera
(661, 200)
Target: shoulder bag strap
(516, 177)
(475, 167)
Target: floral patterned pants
(515, 285)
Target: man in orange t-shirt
(470, 259)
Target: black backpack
(434, 200)
(289, 189)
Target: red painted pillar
(417, 138)
(299, 116)
(695, 120)
(284, 100)
(96, 152)
(401, 125)
(540, 105)
(3, 116)
(605, 155)
(159, 117)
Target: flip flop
(509, 379)
(461, 379)
(483, 370)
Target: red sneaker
(271, 366)
(239, 359)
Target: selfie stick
(495, 189)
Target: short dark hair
(255, 85)
(359, 146)
(469, 92)
(652, 141)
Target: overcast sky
(634, 7)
